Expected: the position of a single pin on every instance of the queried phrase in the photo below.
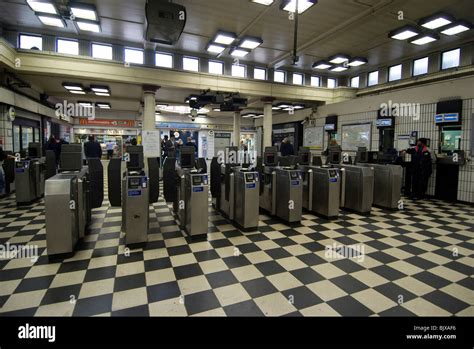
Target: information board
(357, 135)
(314, 138)
(151, 141)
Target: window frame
(215, 62)
(358, 81)
(32, 36)
(315, 77)
(401, 72)
(284, 76)
(368, 78)
(332, 79)
(194, 59)
(157, 53)
(125, 49)
(70, 40)
(238, 76)
(104, 45)
(441, 59)
(261, 69)
(427, 66)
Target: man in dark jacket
(421, 167)
(92, 149)
(286, 148)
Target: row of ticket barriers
(282, 187)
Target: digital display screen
(270, 159)
(134, 182)
(332, 173)
(186, 161)
(33, 152)
(134, 161)
(329, 127)
(197, 180)
(384, 123)
(250, 177)
(294, 175)
(21, 165)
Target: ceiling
(353, 27)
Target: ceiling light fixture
(161, 105)
(84, 11)
(404, 33)
(299, 106)
(42, 7)
(85, 104)
(457, 27)
(100, 89)
(338, 68)
(224, 38)
(77, 92)
(436, 21)
(303, 5)
(89, 26)
(284, 105)
(339, 59)
(101, 105)
(51, 20)
(73, 86)
(216, 109)
(250, 42)
(263, 2)
(215, 48)
(424, 39)
(239, 52)
(249, 115)
(358, 61)
(321, 65)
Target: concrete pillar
(237, 121)
(149, 109)
(267, 121)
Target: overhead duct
(165, 21)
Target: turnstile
(135, 207)
(325, 198)
(61, 214)
(387, 185)
(192, 202)
(29, 180)
(357, 187)
(308, 187)
(238, 198)
(282, 193)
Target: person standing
(55, 147)
(110, 149)
(92, 149)
(287, 148)
(421, 169)
(3, 157)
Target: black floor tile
(188, 271)
(61, 294)
(141, 311)
(349, 284)
(236, 261)
(431, 279)
(302, 297)
(100, 274)
(158, 264)
(259, 287)
(307, 276)
(200, 302)
(221, 279)
(130, 282)
(93, 306)
(244, 309)
(388, 272)
(270, 268)
(446, 302)
(162, 292)
(35, 284)
(348, 306)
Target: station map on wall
(314, 138)
(354, 136)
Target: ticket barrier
(30, 176)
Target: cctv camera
(194, 113)
(193, 119)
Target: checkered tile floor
(415, 262)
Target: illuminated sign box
(447, 118)
(384, 123)
(330, 127)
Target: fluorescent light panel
(356, 62)
(303, 5)
(424, 39)
(84, 11)
(263, 2)
(404, 33)
(224, 38)
(436, 21)
(339, 59)
(250, 42)
(89, 26)
(338, 69)
(239, 52)
(43, 7)
(457, 27)
(321, 65)
(215, 48)
(51, 20)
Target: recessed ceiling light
(216, 109)
(84, 11)
(263, 2)
(457, 27)
(215, 48)
(224, 38)
(321, 65)
(275, 107)
(299, 106)
(358, 61)
(249, 115)
(424, 39)
(88, 26)
(72, 86)
(283, 105)
(161, 105)
(338, 68)
(77, 92)
(101, 94)
(239, 52)
(339, 59)
(85, 104)
(303, 5)
(100, 89)
(51, 20)
(103, 105)
(436, 21)
(404, 33)
(250, 42)
(258, 116)
(181, 109)
(42, 6)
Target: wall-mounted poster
(314, 138)
(355, 136)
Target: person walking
(286, 148)
(92, 149)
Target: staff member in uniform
(3, 157)
(422, 168)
